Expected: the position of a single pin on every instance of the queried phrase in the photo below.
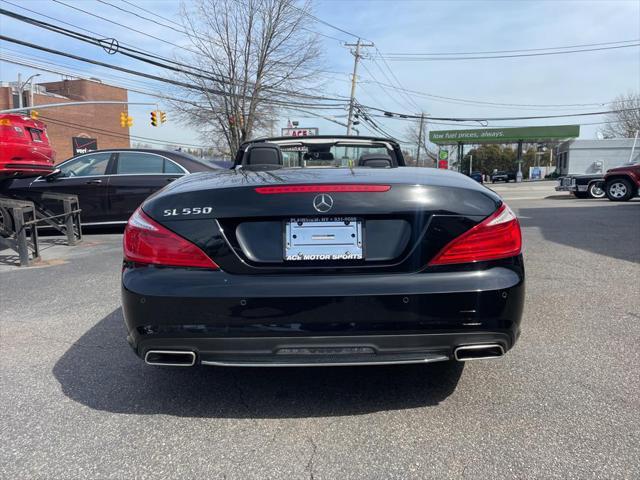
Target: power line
(155, 14)
(129, 52)
(513, 51)
(390, 95)
(134, 89)
(488, 119)
(285, 104)
(101, 42)
(397, 80)
(139, 55)
(124, 26)
(143, 17)
(481, 102)
(78, 28)
(429, 59)
(170, 81)
(70, 71)
(136, 55)
(159, 95)
(324, 22)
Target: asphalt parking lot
(76, 403)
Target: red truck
(24, 147)
(622, 183)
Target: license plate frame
(323, 239)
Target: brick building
(92, 121)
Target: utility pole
(31, 89)
(352, 101)
(633, 149)
(19, 90)
(420, 139)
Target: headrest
(263, 154)
(375, 160)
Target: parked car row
(617, 184)
(110, 184)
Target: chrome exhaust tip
(170, 358)
(478, 352)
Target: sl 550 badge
(175, 212)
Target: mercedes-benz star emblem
(323, 202)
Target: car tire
(619, 190)
(596, 190)
(6, 222)
(581, 194)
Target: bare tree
(626, 121)
(260, 57)
(413, 137)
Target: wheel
(596, 190)
(619, 190)
(581, 194)
(6, 222)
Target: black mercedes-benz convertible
(322, 251)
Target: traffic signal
(129, 121)
(154, 118)
(163, 117)
(34, 114)
(124, 117)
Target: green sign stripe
(504, 135)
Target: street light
(21, 87)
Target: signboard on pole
(299, 132)
(443, 159)
(84, 145)
(504, 135)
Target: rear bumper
(310, 320)
(25, 169)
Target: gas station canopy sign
(505, 135)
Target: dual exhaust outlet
(182, 358)
(478, 352)
(170, 358)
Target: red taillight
(146, 241)
(322, 188)
(498, 236)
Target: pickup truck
(622, 183)
(583, 186)
(503, 177)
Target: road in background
(527, 190)
(76, 403)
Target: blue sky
(399, 26)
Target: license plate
(323, 239)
